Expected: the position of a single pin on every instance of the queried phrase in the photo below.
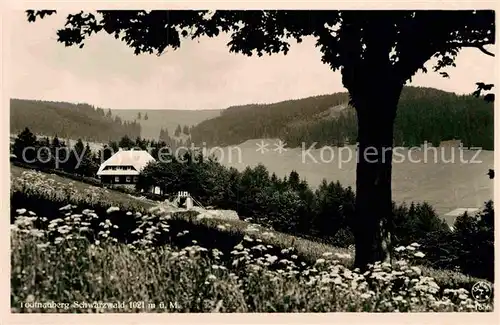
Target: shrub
(281, 210)
(202, 177)
(333, 209)
(469, 248)
(343, 238)
(473, 239)
(415, 222)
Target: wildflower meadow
(92, 256)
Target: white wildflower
(112, 209)
(419, 254)
(400, 249)
(66, 207)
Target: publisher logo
(481, 291)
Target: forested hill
(424, 114)
(67, 120)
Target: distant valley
(424, 114)
(167, 119)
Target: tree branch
(485, 51)
(478, 45)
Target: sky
(201, 74)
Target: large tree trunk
(376, 109)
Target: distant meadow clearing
(443, 182)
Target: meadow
(75, 242)
(443, 184)
(165, 118)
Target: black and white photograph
(182, 160)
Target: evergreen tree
(294, 180)
(107, 151)
(141, 143)
(55, 142)
(178, 130)
(23, 144)
(274, 179)
(60, 153)
(162, 134)
(44, 158)
(126, 143)
(146, 117)
(139, 116)
(73, 159)
(87, 166)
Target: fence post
(189, 203)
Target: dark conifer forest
(68, 120)
(424, 114)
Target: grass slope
(446, 186)
(237, 229)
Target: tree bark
(376, 110)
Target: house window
(136, 179)
(127, 179)
(117, 179)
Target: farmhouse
(452, 216)
(124, 167)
